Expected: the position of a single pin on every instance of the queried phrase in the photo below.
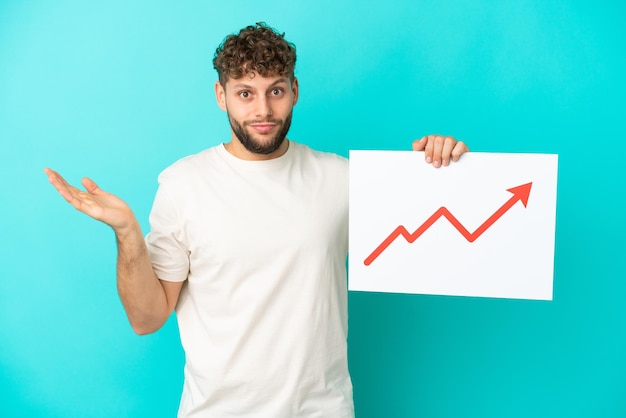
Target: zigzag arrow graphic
(520, 193)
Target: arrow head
(521, 192)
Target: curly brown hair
(258, 48)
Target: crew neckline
(257, 164)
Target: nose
(264, 108)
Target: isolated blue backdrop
(118, 90)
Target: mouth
(263, 128)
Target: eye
(277, 91)
(244, 94)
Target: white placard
(483, 226)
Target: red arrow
(520, 193)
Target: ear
(220, 96)
(294, 90)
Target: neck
(238, 150)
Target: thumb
(420, 144)
(90, 185)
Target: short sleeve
(166, 242)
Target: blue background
(118, 90)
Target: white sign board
(483, 226)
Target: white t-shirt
(263, 314)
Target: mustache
(266, 120)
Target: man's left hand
(440, 149)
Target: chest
(259, 218)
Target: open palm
(94, 201)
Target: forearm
(144, 296)
(141, 292)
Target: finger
(429, 148)
(437, 142)
(87, 202)
(447, 149)
(419, 144)
(54, 177)
(91, 186)
(63, 187)
(79, 199)
(459, 149)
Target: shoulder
(189, 166)
(327, 159)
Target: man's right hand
(147, 300)
(95, 202)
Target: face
(259, 110)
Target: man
(248, 243)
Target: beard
(255, 146)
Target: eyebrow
(247, 86)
